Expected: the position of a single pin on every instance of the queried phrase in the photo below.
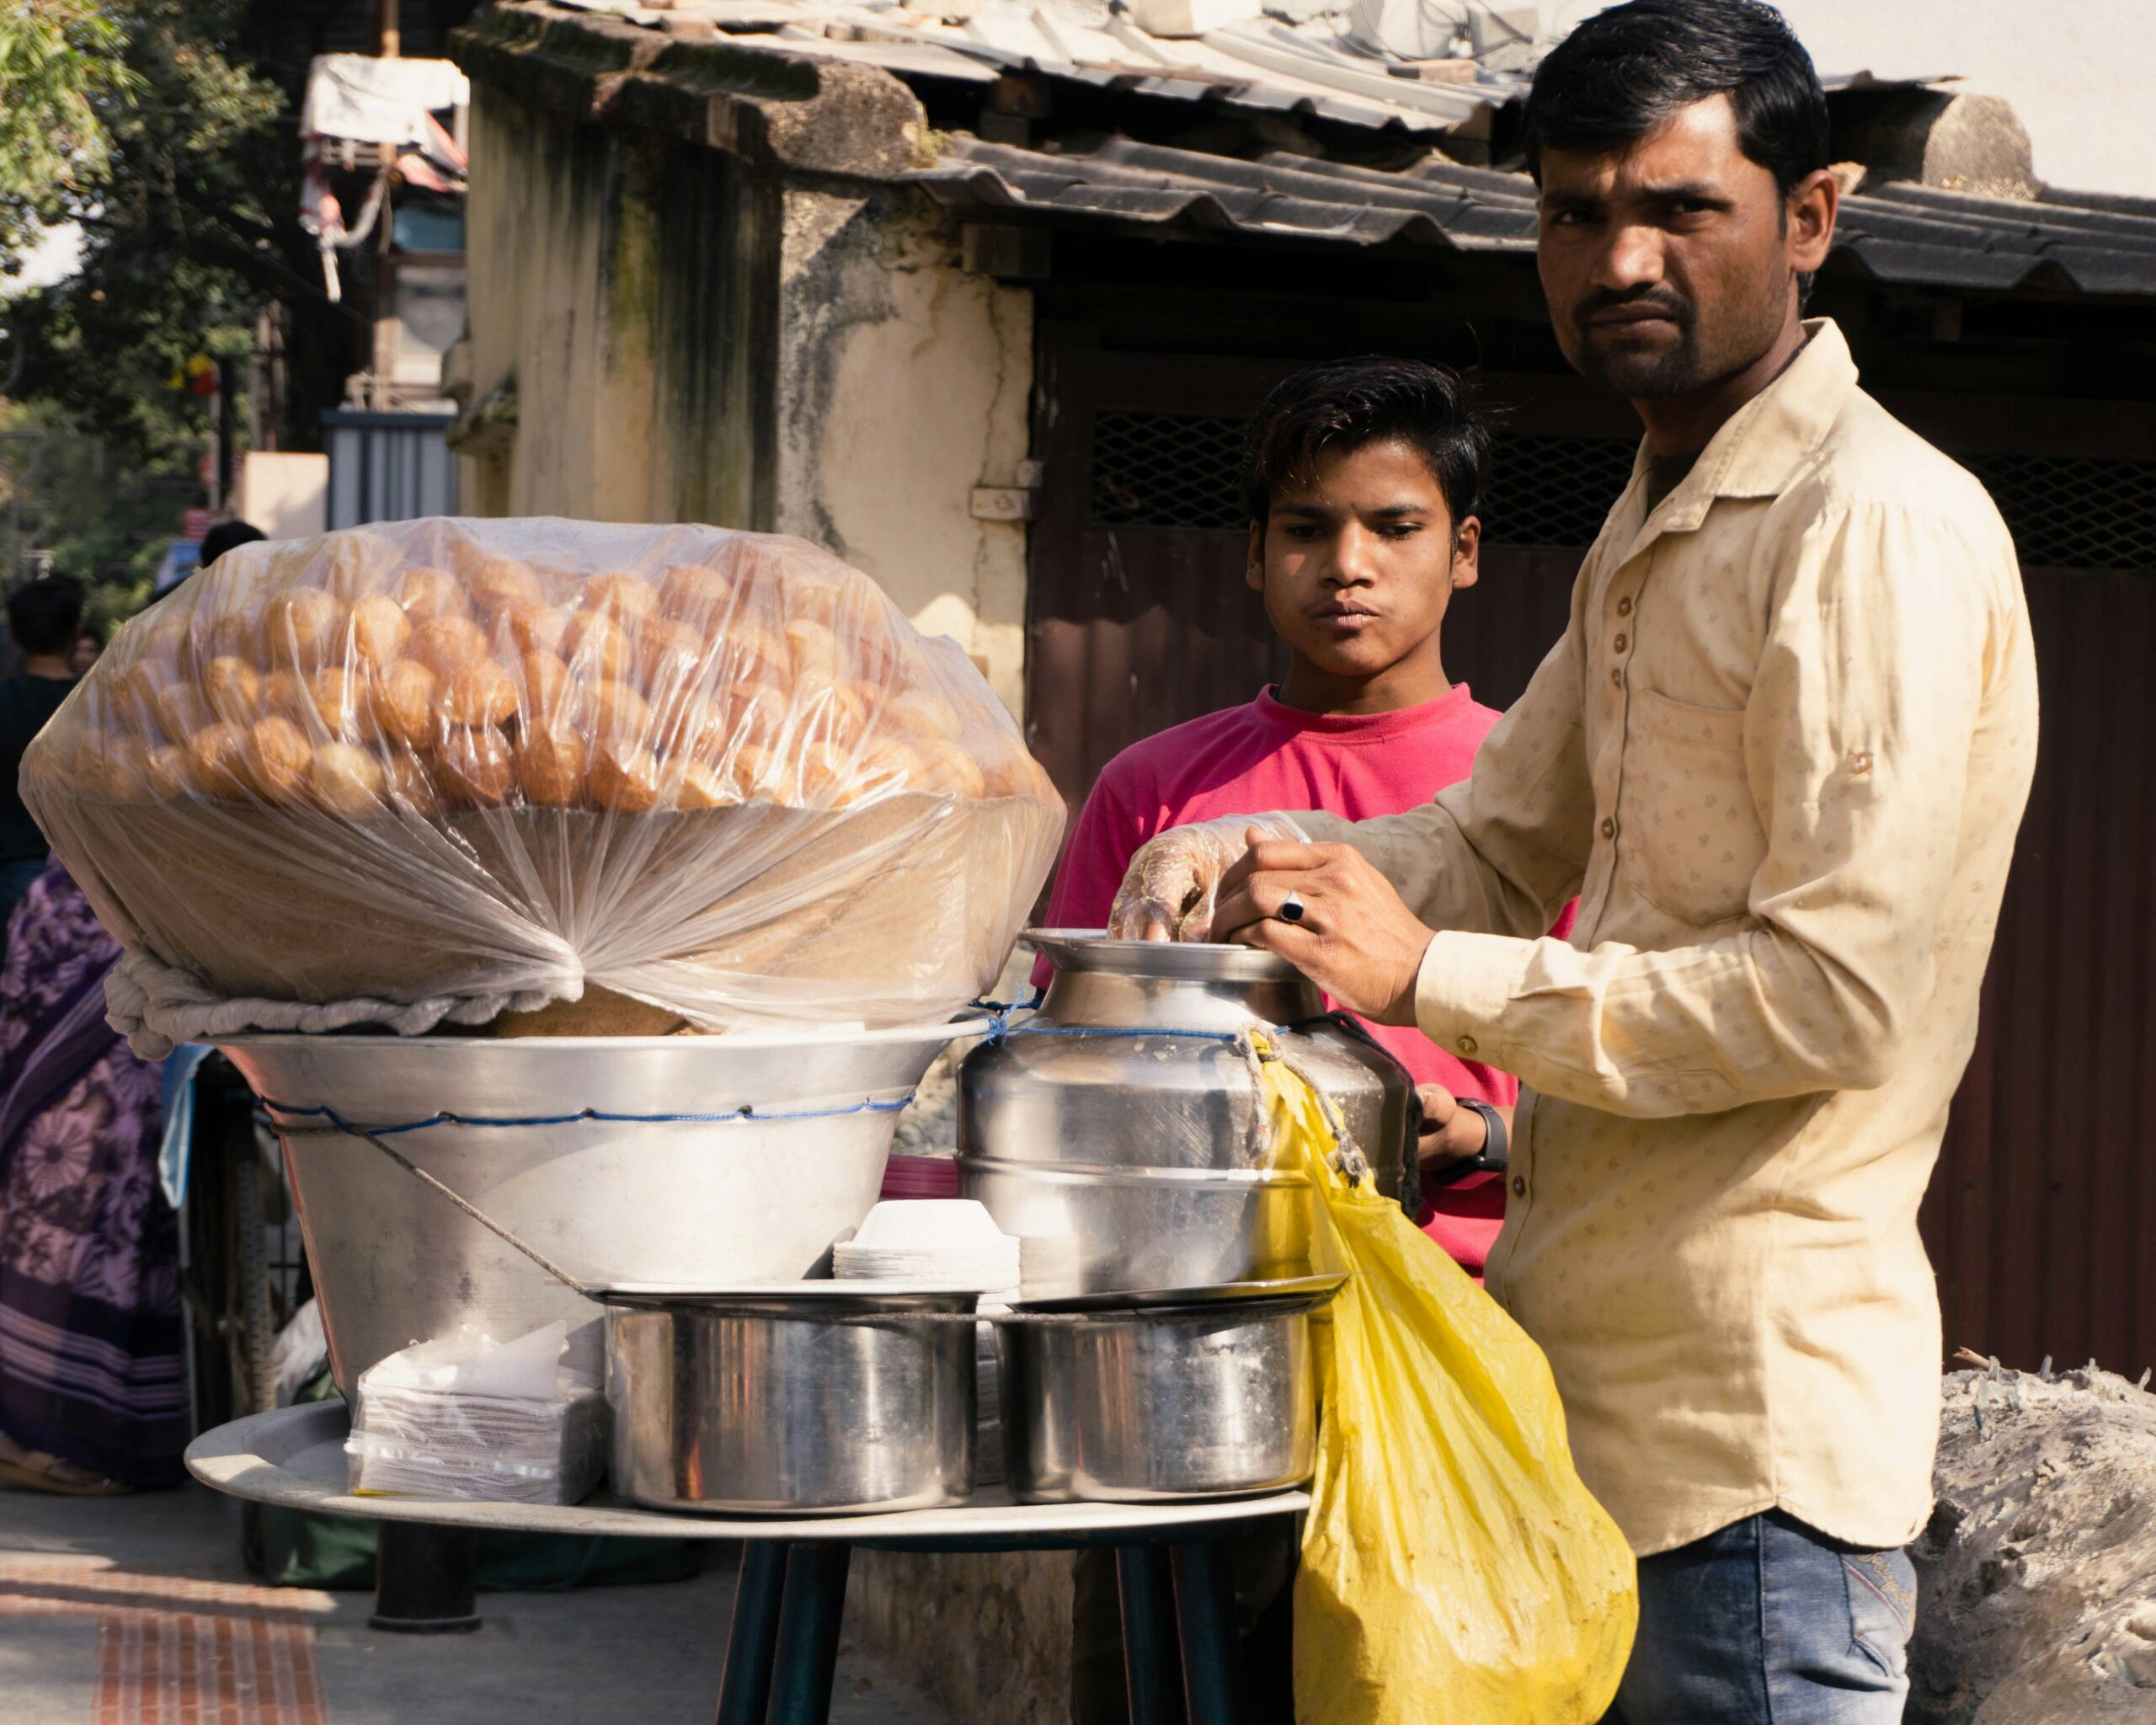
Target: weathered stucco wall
(904, 384)
(987, 1636)
(688, 339)
(624, 285)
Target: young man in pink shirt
(1362, 478)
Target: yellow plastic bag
(1453, 1566)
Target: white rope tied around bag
(1347, 1159)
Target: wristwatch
(1491, 1160)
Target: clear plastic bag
(441, 769)
(1173, 885)
(1454, 1566)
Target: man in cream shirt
(1780, 755)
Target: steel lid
(1299, 1291)
(1174, 961)
(865, 1293)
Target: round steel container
(701, 1202)
(756, 1405)
(1143, 1160)
(1137, 1406)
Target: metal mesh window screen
(1165, 470)
(1178, 470)
(1547, 491)
(2074, 513)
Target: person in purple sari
(92, 1367)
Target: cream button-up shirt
(1781, 754)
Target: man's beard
(1641, 374)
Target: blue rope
(1115, 1030)
(745, 1113)
(999, 1014)
(1001, 1030)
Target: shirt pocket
(1692, 840)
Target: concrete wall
(620, 283)
(987, 1636)
(904, 384)
(690, 340)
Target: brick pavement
(176, 1649)
(135, 1611)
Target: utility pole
(388, 44)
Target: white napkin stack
(466, 1416)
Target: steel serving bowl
(1139, 1405)
(766, 1401)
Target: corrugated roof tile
(1915, 235)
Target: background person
(45, 618)
(92, 1358)
(1781, 752)
(1361, 480)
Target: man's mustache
(1667, 301)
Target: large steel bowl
(709, 1202)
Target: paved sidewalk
(119, 1610)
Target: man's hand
(1167, 892)
(1451, 1133)
(1355, 939)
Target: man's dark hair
(45, 617)
(1623, 71)
(223, 536)
(1348, 403)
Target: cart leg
(426, 1579)
(808, 1631)
(1149, 1647)
(1205, 1616)
(744, 1691)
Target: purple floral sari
(92, 1365)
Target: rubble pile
(2038, 1569)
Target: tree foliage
(190, 227)
(62, 72)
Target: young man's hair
(45, 617)
(1347, 404)
(1624, 72)
(224, 536)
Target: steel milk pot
(1117, 1133)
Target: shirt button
(1620, 643)
(1468, 1045)
(1519, 1185)
(1609, 827)
(1625, 606)
(1617, 678)
(1859, 764)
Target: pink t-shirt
(1246, 759)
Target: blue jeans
(1767, 1622)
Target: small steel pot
(765, 1401)
(1135, 1406)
